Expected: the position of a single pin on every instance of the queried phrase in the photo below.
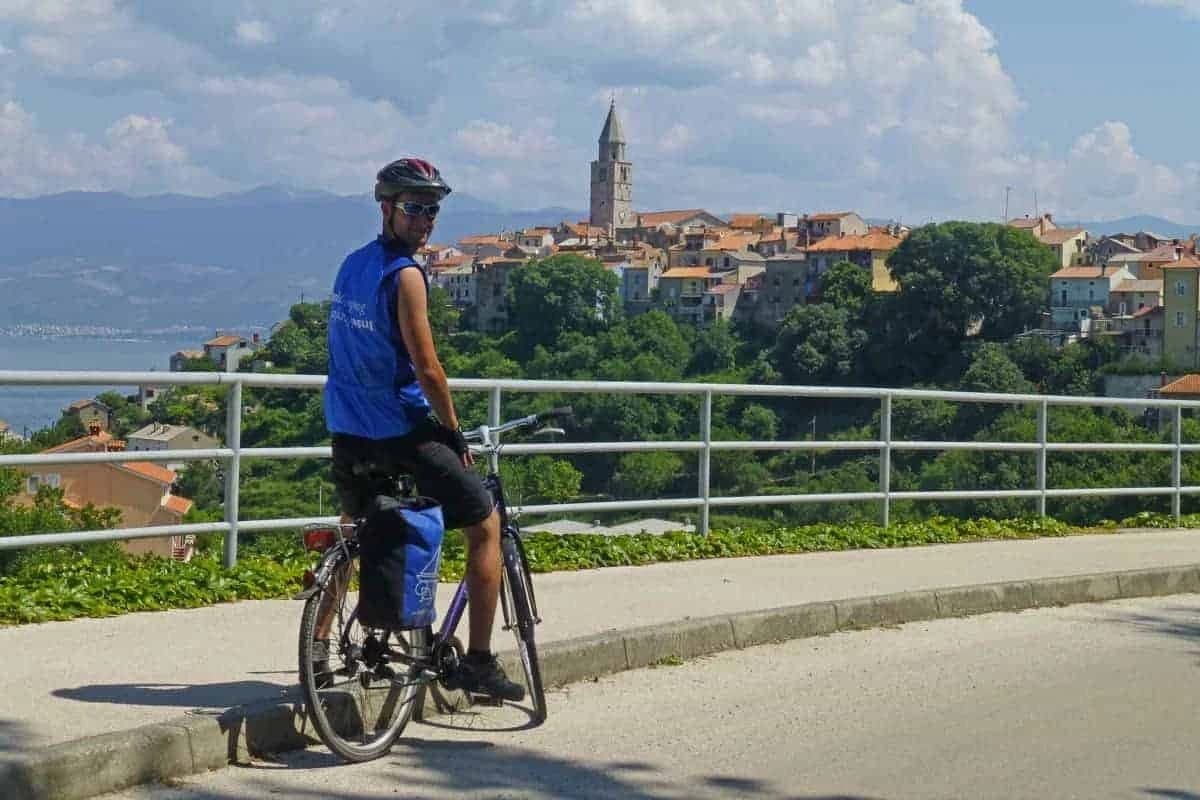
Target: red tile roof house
(140, 490)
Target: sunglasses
(410, 209)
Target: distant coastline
(82, 347)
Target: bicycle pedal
(486, 700)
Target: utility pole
(1007, 189)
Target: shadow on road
(211, 695)
(1172, 794)
(13, 735)
(1180, 622)
(481, 769)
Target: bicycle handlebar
(476, 434)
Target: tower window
(602, 175)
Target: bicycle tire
(358, 710)
(521, 621)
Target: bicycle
(361, 684)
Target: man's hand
(454, 439)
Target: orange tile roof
(734, 242)
(1188, 384)
(89, 443)
(180, 505)
(79, 405)
(838, 244)
(1141, 312)
(1186, 261)
(1081, 271)
(1060, 235)
(829, 216)
(448, 263)
(651, 218)
(1139, 286)
(687, 272)
(223, 341)
(746, 220)
(152, 471)
(1024, 222)
(490, 238)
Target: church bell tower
(612, 178)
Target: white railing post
(885, 457)
(1042, 427)
(494, 422)
(705, 460)
(233, 464)
(1177, 466)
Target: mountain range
(164, 262)
(234, 261)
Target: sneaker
(484, 675)
(322, 674)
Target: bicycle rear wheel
(518, 613)
(357, 694)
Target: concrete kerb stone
(961, 601)
(781, 624)
(1083, 589)
(584, 658)
(197, 742)
(1157, 582)
(687, 638)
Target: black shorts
(363, 468)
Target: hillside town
(755, 267)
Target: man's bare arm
(412, 312)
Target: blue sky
(907, 109)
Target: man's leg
(483, 579)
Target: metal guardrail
(233, 453)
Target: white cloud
(1189, 7)
(894, 107)
(136, 154)
(493, 140)
(676, 139)
(254, 32)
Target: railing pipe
(705, 461)
(233, 466)
(1042, 427)
(1177, 467)
(885, 457)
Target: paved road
(1099, 701)
(91, 676)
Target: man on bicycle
(388, 405)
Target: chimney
(255, 338)
(1178, 251)
(93, 429)
(1162, 379)
(1049, 217)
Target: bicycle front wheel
(518, 604)
(358, 693)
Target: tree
(540, 479)
(957, 280)
(847, 286)
(716, 349)
(646, 475)
(562, 293)
(817, 344)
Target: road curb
(198, 742)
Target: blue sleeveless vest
(372, 390)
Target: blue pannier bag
(400, 551)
